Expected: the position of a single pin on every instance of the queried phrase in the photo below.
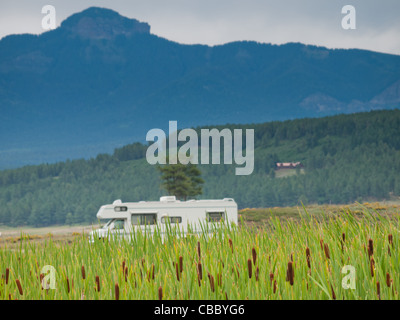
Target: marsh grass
(287, 259)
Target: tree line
(347, 158)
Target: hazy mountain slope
(102, 80)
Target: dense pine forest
(346, 158)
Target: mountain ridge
(104, 82)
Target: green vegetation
(347, 158)
(181, 180)
(286, 260)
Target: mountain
(346, 158)
(101, 80)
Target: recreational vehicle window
(171, 219)
(119, 209)
(215, 216)
(115, 224)
(143, 219)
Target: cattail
(123, 266)
(271, 277)
(321, 242)
(290, 273)
(68, 289)
(378, 290)
(291, 256)
(19, 287)
(308, 257)
(274, 286)
(143, 262)
(390, 237)
(41, 276)
(152, 271)
(389, 253)
(116, 291)
(231, 244)
(97, 283)
(326, 249)
(343, 240)
(254, 254)
(160, 296)
(180, 264)
(370, 247)
(200, 271)
(256, 273)
(333, 293)
(177, 271)
(198, 249)
(7, 274)
(83, 273)
(212, 283)
(126, 274)
(372, 265)
(249, 267)
(388, 280)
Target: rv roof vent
(228, 199)
(168, 199)
(117, 202)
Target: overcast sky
(212, 22)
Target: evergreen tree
(181, 180)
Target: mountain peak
(100, 23)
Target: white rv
(125, 218)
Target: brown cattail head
(290, 273)
(68, 288)
(249, 267)
(257, 273)
(152, 271)
(370, 247)
(308, 257)
(388, 280)
(160, 293)
(271, 277)
(123, 266)
(7, 275)
(126, 274)
(254, 254)
(180, 264)
(333, 293)
(372, 265)
(200, 271)
(41, 276)
(19, 287)
(389, 253)
(321, 242)
(198, 249)
(390, 237)
(343, 237)
(378, 290)
(97, 283)
(274, 286)
(83, 273)
(231, 244)
(326, 249)
(116, 291)
(177, 271)
(143, 262)
(212, 283)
